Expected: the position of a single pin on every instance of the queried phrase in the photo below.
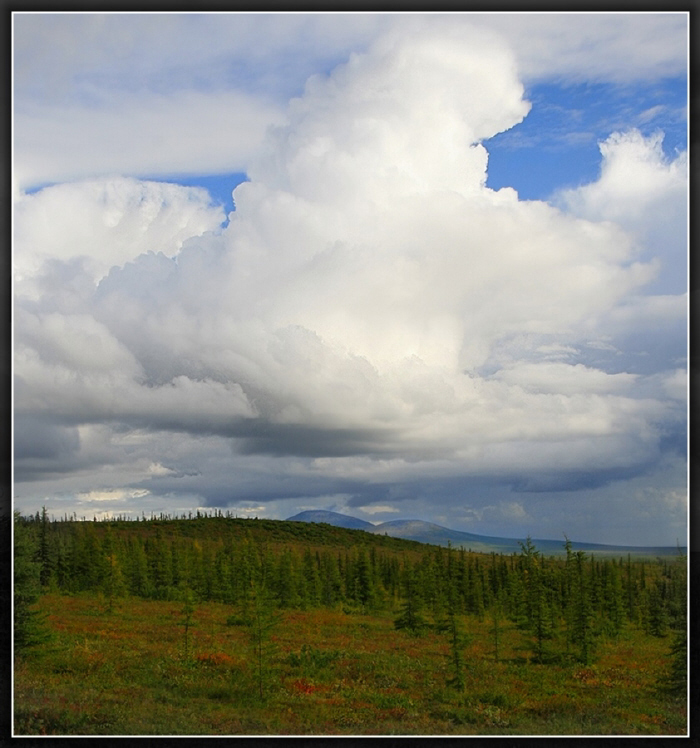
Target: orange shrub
(216, 659)
(303, 686)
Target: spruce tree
(410, 617)
(331, 581)
(655, 613)
(89, 562)
(30, 628)
(311, 579)
(63, 562)
(187, 613)
(676, 677)
(139, 582)
(539, 620)
(287, 580)
(112, 577)
(262, 618)
(579, 614)
(496, 623)
(209, 573)
(45, 556)
(614, 600)
(631, 590)
(176, 562)
(364, 591)
(161, 566)
(451, 625)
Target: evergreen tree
(331, 581)
(195, 575)
(579, 614)
(161, 566)
(614, 600)
(176, 563)
(89, 563)
(30, 628)
(187, 613)
(227, 572)
(676, 677)
(211, 588)
(287, 581)
(390, 578)
(311, 579)
(631, 590)
(139, 583)
(433, 587)
(112, 577)
(64, 551)
(655, 613)
(451, 625)
(251, 570)
(262, 619)
(46, 558)
(677, 598)
(410, 617)
(538, 619)
(676, 681)
(474, 598)
(595, 591)
(363, 588)
(496, 623)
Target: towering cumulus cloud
(372, 317)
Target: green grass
(326, 673)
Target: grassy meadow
(134, 671)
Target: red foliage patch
(303, 686)
(586, 675)
(216, 659)
(397, 712)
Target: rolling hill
(428, 532)
(332, 518)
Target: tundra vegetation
(214, 625)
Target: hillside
(217, 528)
(332, 518)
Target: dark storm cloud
(261, 437)
(675, 442)
(576, 480)
(43, 448)
(221, 490)
(35, 437)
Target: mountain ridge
(429, 532)
(323, 516)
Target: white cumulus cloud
(106, 222)
(372, 314)
(645, 192)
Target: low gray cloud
(35, 439)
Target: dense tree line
(573, 599)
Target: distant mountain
(331, 518)
(427, 532)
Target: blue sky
(219, 186)
(453, 288)
(556, 145)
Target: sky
(398, 266)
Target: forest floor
(323, 672)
